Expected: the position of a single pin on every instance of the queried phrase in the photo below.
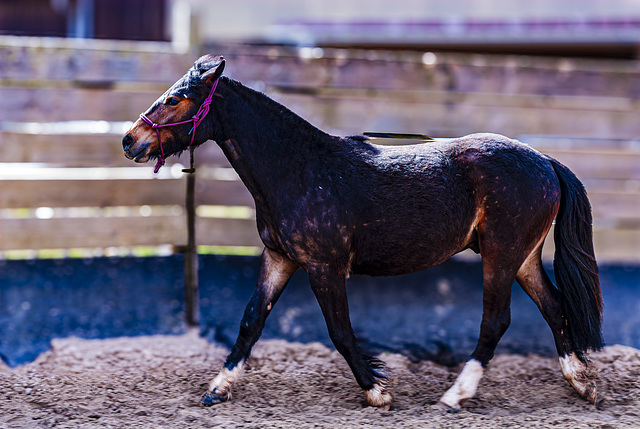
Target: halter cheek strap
(196, 119)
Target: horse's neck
(263, 139)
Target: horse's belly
(392, 267)
(377, 256)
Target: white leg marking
(379, 396)
(582, 376)
(221, 385)
(465, 386)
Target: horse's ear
(215, 70)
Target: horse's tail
(575, 266)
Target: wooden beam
(87, 150)
(65, 233)
(109, 193)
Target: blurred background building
(592, 28)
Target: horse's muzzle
(127, 141)
(136, 152)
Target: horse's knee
(495, 325)
(501, 322)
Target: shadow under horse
(334, 206)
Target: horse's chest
(308, 232)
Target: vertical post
(191, 299)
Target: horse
(336, 206)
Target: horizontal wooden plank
(406, 70)
(609, 206)
(64, 233)
(351, 111)
(88, 150)
(108, 193)
(225, 193)
(588, 165)
(610, 245)
(73, 104)
(423, 94)
(227, 232)
(106, 151)
(612, 185)
(579, 144)
(70, 150)
(119, 60)
(91, 59)
(103, 193)
(615, 205)
(91, 232)
(459, 114)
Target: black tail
(575, 266)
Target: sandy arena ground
(155, 382)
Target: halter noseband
(196, 119)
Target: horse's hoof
(450, 408)
(211, 398)
(582, 375)
(591, 393)
(379, 395)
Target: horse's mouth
(142, 159)
(140, 154)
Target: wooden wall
(583, 113)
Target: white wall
(217, 20)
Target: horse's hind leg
(576, 367)
(329, 287)
(275, 272)
(496, 317)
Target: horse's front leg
(275, 272)
(329, 287)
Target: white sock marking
(225, 379)
(582, 376)
(378, 396)
(465, 386)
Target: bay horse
(336, 206)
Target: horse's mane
(193, 79)
(271, 107)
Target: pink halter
(196, 119)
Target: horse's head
(169, 125)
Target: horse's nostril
(127, 141)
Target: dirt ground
(156, 382)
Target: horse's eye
(172, 101)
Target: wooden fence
(65, 184)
